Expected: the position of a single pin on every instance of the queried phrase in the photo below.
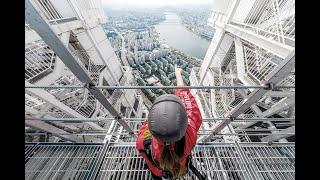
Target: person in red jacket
(166, 140)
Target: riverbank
(197, 33)
(173, 33)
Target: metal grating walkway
(272, 162)
(219, 161)
(61, 161)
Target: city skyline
(152, 3)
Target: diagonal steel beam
(281, 72)
(43, 126)
(49, 98)
(37, 23)
(280, 93)
(278, 107)
(282, 134)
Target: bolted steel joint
(232, 119)
(88, 85)
(270, 86)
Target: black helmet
(167, 119)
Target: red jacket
(194, 123)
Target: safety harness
(166, 174)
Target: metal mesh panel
(272, 162)
(216, 161)
(121, 161)
(56, 161)
(219, 162)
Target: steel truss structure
(121, 161)
(45, 31)
(117, 158)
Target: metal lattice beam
(43, 126)
(284, 134)
(280, 94)
(281, 72)
(53, 101)
(34, 19)
(280, 106)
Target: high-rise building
(253, 45)
(82, 119)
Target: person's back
(167, 139)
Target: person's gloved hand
(177, 70)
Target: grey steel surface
(60, 161)
(272, 162)
(221, 161)
(44, 30)
(282, 71)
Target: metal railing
(56, 12)
(273, 19)
(165, 87)
(33, 102)
(87, 107)
(289, 81)
(124, 135)
(258, 64)
(119, 134)
(217, 17)
(39, 60)
(100, 119)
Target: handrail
(166, 87)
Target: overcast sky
(111, 3)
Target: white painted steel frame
(44, 30)
(281, 72)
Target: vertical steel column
(34, 19)
(230, 15)
(274, 78)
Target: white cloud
(153, 2)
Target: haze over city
(153, 3)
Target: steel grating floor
(272, 162)
(120, 161)
(60, 161)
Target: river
(173, 33)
